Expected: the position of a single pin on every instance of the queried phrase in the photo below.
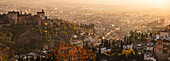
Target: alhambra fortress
(16, 17)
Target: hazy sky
(148, 2)
(154, 3)
(163, 4)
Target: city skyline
(84, 30)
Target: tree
(109, 45)
(131, 35)
(5, 52)
(5, 38)
(113, 42)
(99, 50)
(66, 51)
(150, 34)
(27, 58)
(93, 49)
(86, 45)
(125, 38)
(142, 36)
(121, 45)
(32, 58)
(127, 41)
(106, 43)
(38, 58)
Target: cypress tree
(121, 45)
(93, 48)
(106, 43)
(27, 58)
(99, 51)
(86, 45)
(150, 34)
(125, 39)
(38, 58)
(113, 43)
(32, 58)
(19, 59)
(131, 35)
(109, 45)
(83, 45)
(102, 41)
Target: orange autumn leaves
(66, 51)
(5, 53)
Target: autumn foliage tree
(5, 44)
(5, 52)
(62, 30)
(66, 51)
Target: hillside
(25, 38)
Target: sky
(153, 3)
(160, 4)
(148, 2)
(133, 2)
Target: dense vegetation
(67, 52)
(21, 38)
(24, 38)
(134, 35)
(116, 52)
(62, 30)
(6, 36)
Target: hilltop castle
(16, 17)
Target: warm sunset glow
(159, 2)
(84, 30)
(146, 3)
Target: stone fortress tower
(41, 14)
(12, 15)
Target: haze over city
(80, 30)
